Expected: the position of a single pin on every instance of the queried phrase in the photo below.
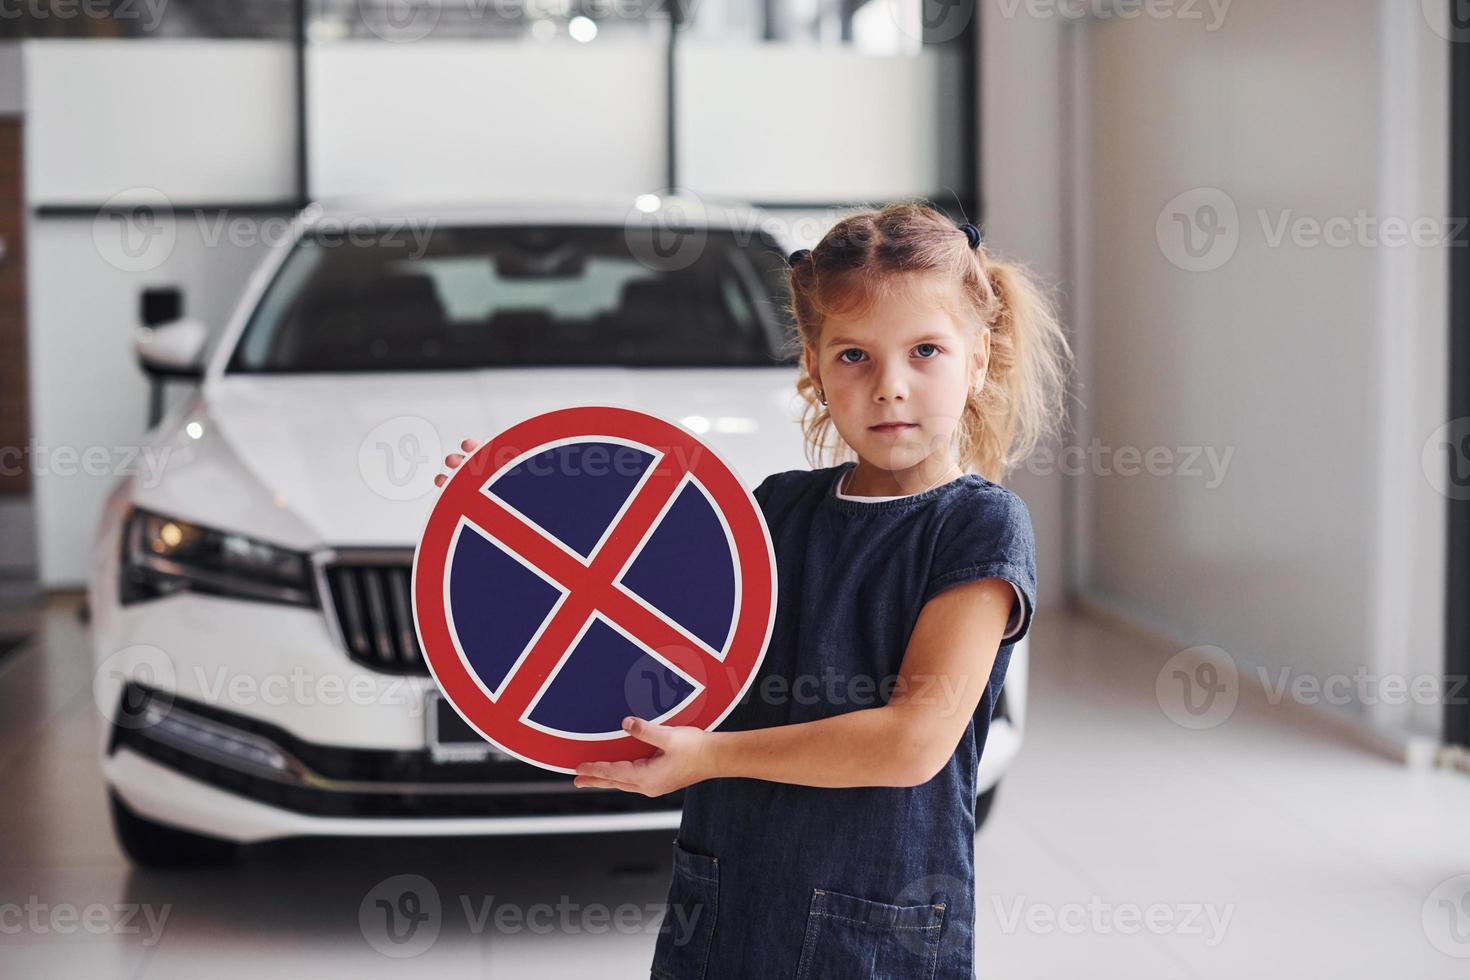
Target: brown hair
(869, 254)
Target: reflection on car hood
(319, 460)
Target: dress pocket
(682, 950)
(850, 937)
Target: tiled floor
(1122, 845)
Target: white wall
(160, 122)
(793, 123)
(86, 387)
(1319, 367)
(431, 121)
(1023, 170)
(445, 121)
(1413, 340)
(197, 121)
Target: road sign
(585, 565)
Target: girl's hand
(454, 459)
(683, 758)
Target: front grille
(373, 607)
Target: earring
(821, 396)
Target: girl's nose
(891, 385)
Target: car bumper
(200, 768)
(159, 793)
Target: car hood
(321, 460)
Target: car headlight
(163, 555)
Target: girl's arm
(905, 742)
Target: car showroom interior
(441, 533)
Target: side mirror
(173, 350)
(160, 304)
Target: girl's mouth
(893, 426)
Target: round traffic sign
(588, 564)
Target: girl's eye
(930, 347)
(850, 350)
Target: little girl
(829, 822)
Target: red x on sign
(588, 564)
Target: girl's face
(904, 361)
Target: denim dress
(778, 880)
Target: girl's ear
(982, 357)
(809, 354)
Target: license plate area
(450, 738)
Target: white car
(257, 661)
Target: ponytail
(1023, 399)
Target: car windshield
(507, 296)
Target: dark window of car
(406, 299)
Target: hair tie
(798, 255)
(972, 233)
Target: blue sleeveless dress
(778, 880)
